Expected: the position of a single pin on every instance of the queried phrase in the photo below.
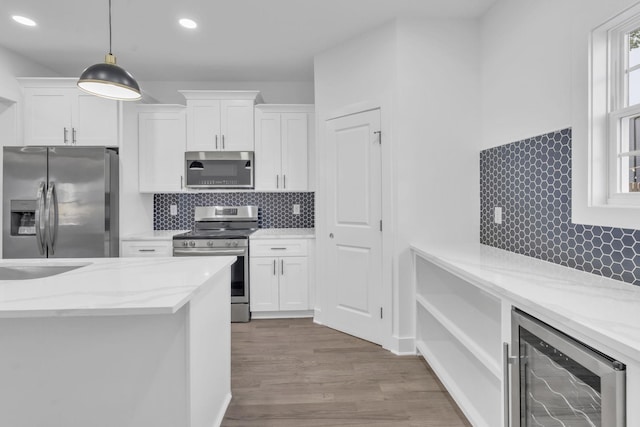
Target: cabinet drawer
(278, 247)
(146, 248)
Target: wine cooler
(559, 381)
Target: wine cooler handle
(506, 361)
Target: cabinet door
(263, 287)
(95, 121)
(294, 151)
(47, 116)
(203, 122)
(237, 125)
(161, 144)
(294, 283)
(267, 156)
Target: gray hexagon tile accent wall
(275, 210)
(531, 181)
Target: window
(624, 114)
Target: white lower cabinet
(279, 282)
(146, 248)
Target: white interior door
(354, 223)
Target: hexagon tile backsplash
(531, 181)
(275, 210)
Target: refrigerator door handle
(52, 228)
(39, 214)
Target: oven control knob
(185, 243)
(192, 243)
(227, 244)
(210, 243)
(235, 244)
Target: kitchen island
(115, 342)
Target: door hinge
(380, 225)
(379, 133)
(381, 312)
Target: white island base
(120, 370)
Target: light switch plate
(174, 210)
(296, 209)
(497, 215)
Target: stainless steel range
(224, 231)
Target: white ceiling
(237, 40)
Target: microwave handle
(223, 142)
(216, 142)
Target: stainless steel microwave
(219, 169)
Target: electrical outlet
(497, 215)
(296, 209)
(174, 210)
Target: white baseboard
(281, 314)
(402, 346)
(223, 411)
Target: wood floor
(294, 373)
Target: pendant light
(108, 80)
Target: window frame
(618, 112)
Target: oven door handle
(208, 252)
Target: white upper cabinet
(283, 135)
(220, 120)
(161, 146)
(56, 112)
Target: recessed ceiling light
(188, 23)
(24, 20)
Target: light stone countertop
(584, 305)
(153, 235)
(284, 233)
(108, 286)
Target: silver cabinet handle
(181, 182)
(274, 267)
(277, 181)
(146, 250)
(278, 249)
(282, 267)
(216, 141)
(284, 181)
(223, 142)
(65, 135)
(73, 135)
(39, 217)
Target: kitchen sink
(26, 272)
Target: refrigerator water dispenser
(23, 217)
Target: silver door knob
(331, 235)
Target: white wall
(437, 142)
(526, 69)
(166, 92)
(425, 75)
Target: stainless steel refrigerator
(60, 202)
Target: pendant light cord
(110, 27)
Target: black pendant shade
(108, 80)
